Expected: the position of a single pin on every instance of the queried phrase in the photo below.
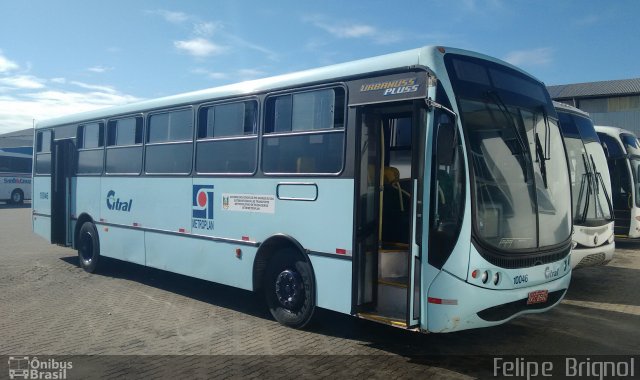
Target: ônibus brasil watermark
(24, 367)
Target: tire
(290, 289)
(88, 247)
(17, 197)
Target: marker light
(485, 277)
(496, 278)
(475, 273)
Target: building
(614, 102)
(17, 141)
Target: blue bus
(424, 189)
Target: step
(393, 263)
(396, 322)
(392, 298)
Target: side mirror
(445, 141)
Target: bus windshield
(589, 173)
(632, 146)
(519, 165)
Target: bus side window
(43, 152)
(90, 142)
(304, 133)
(169, 143)
(124, 146)
(227, 138)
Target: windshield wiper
(586, 178)
(524, 151)
(542, 160)
(598, 178)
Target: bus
(15, 176)
(590, 189)
(424, 189)
(623, 157)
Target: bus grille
(592, 260)
(504, 311)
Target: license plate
(539, 296)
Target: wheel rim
(16, 197)
(86, 247)
(289, 289)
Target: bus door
(386, 261)
(62, 161)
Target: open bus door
(62, 163)
(390, 161)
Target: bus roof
(612, 131)
(567, 108)
(405, 59)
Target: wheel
(88, 247)
(290, 289)
(17, 197)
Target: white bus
(15, 176)
(623, 156)
(590, 188)
(424, 189)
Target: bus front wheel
(17, 197)
(289, 289)
(88, 247)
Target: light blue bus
(425, 189)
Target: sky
(63, 57)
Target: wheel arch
(269, 248)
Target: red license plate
(539, 296)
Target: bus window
(124, 146)
(90, 140)
(43, 152)
(169, 142)
(227, 138)
(611, 147)
(314, 125)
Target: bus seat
(305, 164)
(392, 178)
(391, 175)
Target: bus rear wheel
(88, 247)
(289, 289)
(17, 197)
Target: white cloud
(107, 89)
(199, 47)
(22, 82)
(58, 80)
(216, 75)
(205, 29)
(17, 111)
(533, 57)
(171, 16)
(235, 76)
(245, 74)
(99, 69)
(6, 64)
(344, 29)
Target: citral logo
(116, 204)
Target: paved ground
(49, 306)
